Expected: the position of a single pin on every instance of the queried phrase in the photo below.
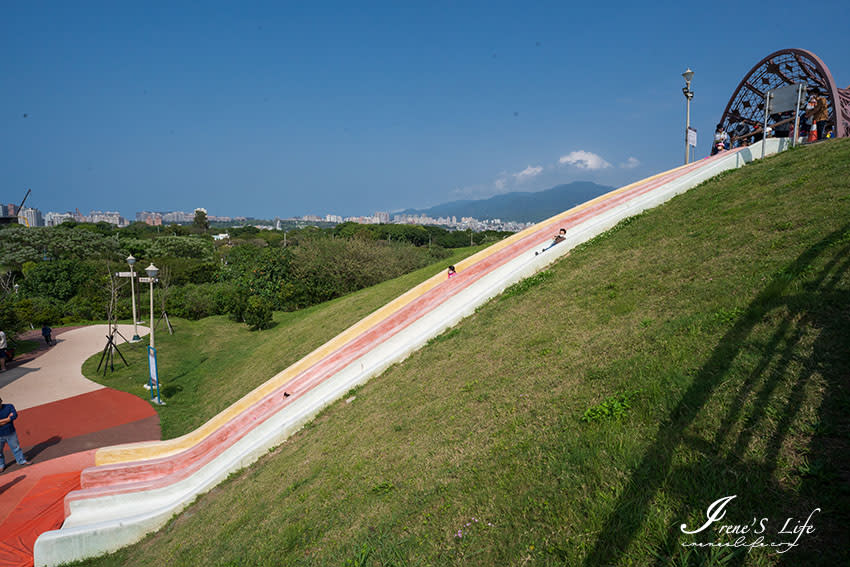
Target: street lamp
(689, 94)
(153, 272)
(131, 261)
(17, 287)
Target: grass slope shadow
(817, 305)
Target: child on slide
(560, 237)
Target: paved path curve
(56, 373)
(63, 417)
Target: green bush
(258, 313)
(58, 279)
(85, 308)
(10, 323)
(37, 311)
(323, 269)
(195, 301)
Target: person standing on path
(45, 332)
(9, 435)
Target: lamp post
(153, 272)
(131, 261)
(17, 287)
(689, 94)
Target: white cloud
(630, 163)
(528, 173)
(504, 182)
(584, 160)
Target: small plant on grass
(467, 529)
(612, 407)
(383, 488)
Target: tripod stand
(110, 349)
(164, 315)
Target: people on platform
(817, 111)
(721, 140)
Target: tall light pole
(153, 272)
(689, 94)
(131, 261)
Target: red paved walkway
(60, 438)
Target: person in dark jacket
(45, 332)
(8, 435)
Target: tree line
(58, 275)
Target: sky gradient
(283, 109)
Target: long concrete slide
(135, 489)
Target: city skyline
(33, 217)
(349, 108)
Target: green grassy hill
(695, 352)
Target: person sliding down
(560, 237)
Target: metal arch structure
(745, 111)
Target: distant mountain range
(518, 206)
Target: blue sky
(280, 108)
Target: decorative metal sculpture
(745, 112)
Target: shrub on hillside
(85, 308)
(195, 301)
(57, 279)
(323, 269)
(190, 270)
(9, 321)
(258, 313)
(37, 311)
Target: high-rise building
(149, 218)
(178, 217)
(30, 217)
(55, 219)
(112, 217)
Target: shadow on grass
(171, 390)
(759, 403)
